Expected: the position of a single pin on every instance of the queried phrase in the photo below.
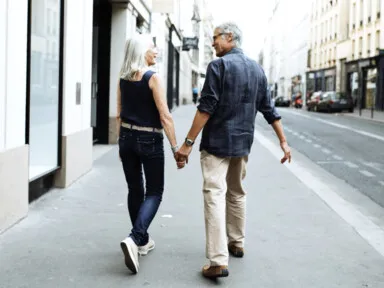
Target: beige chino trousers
(224, 204)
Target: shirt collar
(235, 50)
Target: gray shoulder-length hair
(134, 56)
(230, 27)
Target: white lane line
(372, 165)
(295, 133)
(317, 146)
(366, 173)
(363, 225)
(326, 151)
(351, 165)
(337, 157)
(381, 182)
(302, 137)
(308, 140)
(375, 136)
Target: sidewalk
(71, 237)
(366, 114)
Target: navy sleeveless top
(137, 104)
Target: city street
(306, 226)
(349, 148)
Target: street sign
(190, 43)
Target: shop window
(370, 88)
(44, 88)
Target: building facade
(326, 23)
(346, 50)
(45, 103)
(285, 48)
(363, 71)
(59, 67)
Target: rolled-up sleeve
(266, 106)
(210, 94)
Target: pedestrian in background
(142, 115)
(235, 89)
(195, 94)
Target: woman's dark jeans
(140, 150)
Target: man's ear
(230, 37)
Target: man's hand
(182, 155)
(287, 152)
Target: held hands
(287, 152)
(181, 156)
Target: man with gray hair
(235, 89)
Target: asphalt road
(349, 148)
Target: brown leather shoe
(215, 271)
(235, 251)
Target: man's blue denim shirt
(235, 89)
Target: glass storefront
(370, 88)
(330, 83)
(353, 87)
(44, 86)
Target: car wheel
(350, 110)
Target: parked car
(335, 102)
(280, 101)
(313, 101)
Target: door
(94, 88)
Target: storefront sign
(331, 72)
(364, 63)
(352, 68)
(190, 43)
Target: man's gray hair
(230, 27)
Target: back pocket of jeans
(146, 145)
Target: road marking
(372, 165)
(326, 151)
(337, 157)
(366, 173)
(329, 162)
(381, 182)
(295, 133)
(363, 225)
(301, 137)
(317, 146)
(351, 165)
(375, 136)
(308, 140)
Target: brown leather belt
(140, 128)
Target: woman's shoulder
(148, 74)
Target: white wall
(185, 84)
(3, 27)
(121, 24)
(77, 65)
(15, 71)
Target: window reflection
(44, 83)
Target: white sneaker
(143, 250)
(131, 254)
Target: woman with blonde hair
(143, 115)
